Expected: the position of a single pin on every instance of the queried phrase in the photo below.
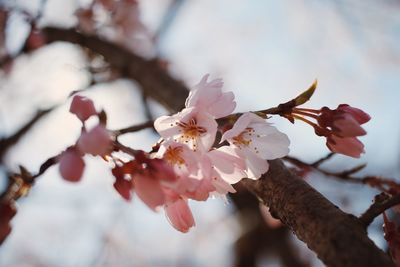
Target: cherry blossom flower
(208, 97)
(97, 141)
(256, 141)
(191, 126)
(82, 107)
(71, 165)
(179, 215)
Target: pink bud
(96, 142)
(71, 166)
(179, 215)
(358, 114)
(349, 146)
(82, 107)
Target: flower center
(173, 156)
(191, 129)
(241, 140)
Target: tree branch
(338, 238)
(377, 208)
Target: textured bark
(339, 239)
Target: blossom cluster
(204, 165)
(196, 157)
(204, 149)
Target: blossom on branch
(256, 141)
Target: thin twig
(377, 208)
(322, 160)
(381, 183)
(134, 128)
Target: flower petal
(179, 215)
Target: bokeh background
(266, 52)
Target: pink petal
(229, 166)
(166, 126)
(208, 97)
(71, 166)
(239, 126)
(348, 126)
(82, 107)
(96, 142)
(358, 114)
(224, 106)
(179, 215)
(221, 186)
(149, 191)
(256, 166)
(349, 146)
(202, 190)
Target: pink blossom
(97, 141)
(82, 107)
(71, 165)
(256, 141)
(191, 126)
(208, 97)
(179, 215)
(349, 146)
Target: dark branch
(377, 208)
(134, 128)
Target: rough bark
(339, 239)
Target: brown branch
(380, 183)
(377, 208)
(134, 128)
(339, 239)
